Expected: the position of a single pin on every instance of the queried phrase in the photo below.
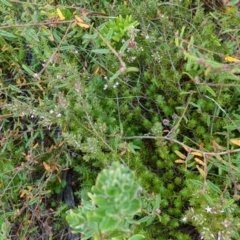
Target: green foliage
(114, 201)
(115, 31)
(151, 84)
(213, 217)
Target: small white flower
(59, 115)
(226, 223)
(105, 87)
(208, 209)
(147, 37)
(116, 85)
(195, 217)
(185, 219)
(76, 51)
(36, 75)
(51, 111)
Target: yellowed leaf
(231, 59)
(59, 179)
(47, 167)
(186, 149)
(197, 154)
(235, 141)
(99, 71)
(216, 146)
(201, 171)
(23, 193)
(78, 19)
(4, 48)
(179, 154)
(60, 15)
(81, 23)
(30, 188)
(35, 146)
(200, 161)
(61, 143)
(179, 161)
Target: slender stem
(184, 145)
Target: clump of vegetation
(153, 86)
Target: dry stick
(183, 114)
(54, 53)
(37, 24)
(184, 145)
(122, 63)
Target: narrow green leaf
(4, 33)
(109, 35)
(214, 187)
(14, 88)
(197, 183)
(137, 237)
(209, 199)
(31, 33)
(28, 70)
(132, 69)
(210, 91)
(194, 104)
(67, 48)
(100, 51)
(7, 3)
(228, 203)
(32, 201)
(124, 46)
(232, 3)
(113, 77)
(90, 36)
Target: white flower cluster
(105, 87)
(56, 113)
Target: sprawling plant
(153, 85)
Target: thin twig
(37, 24)
(184, 145)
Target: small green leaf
(90, 36)
(100, 51)
(4, 33)
(132, 69)
(28, 70)
(109, 224)
(137, 237)
(124, 46)
(228, 203)
(113, 77)
(214, 187)
(133, 147)
(210, 90)
(7, 3)
(232, 3)
(32, 201)
(209, 199)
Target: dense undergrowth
(153, 85)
